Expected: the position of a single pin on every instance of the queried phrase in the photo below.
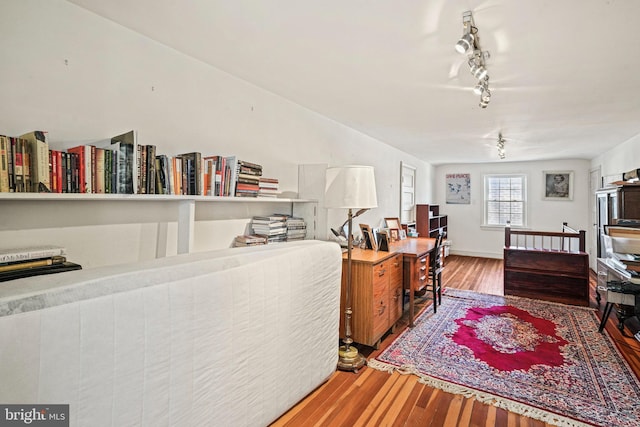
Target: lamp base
(349, 359)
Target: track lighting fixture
(469, 45)
(500, 146)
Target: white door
(407, 194)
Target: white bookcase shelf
(34, 205)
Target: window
(505, 200)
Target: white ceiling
(564, 74)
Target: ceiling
(563, 74)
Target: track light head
(465, 44)
(478, 71)
(485, 98)
(500, 146)
(481, 86)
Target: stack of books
(273, 227)
(268, 187)
(249, 240)
(247, 179)
(17, 263)
(296, 228)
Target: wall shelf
(42, 210)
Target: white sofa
(233, 337)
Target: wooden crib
(551, 266)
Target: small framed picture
(558, 185)
(393, 223)
(395, 235)
(383, 241)
(403, 234)
(367, 236)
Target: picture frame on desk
(367, 236)
(394, 234)
(383, 241)
(403, 234)
(393, 223)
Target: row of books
(121, 165)
(18, 263)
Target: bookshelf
(33, 211)
(429, 221)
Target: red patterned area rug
(543, 360)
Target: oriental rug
(543, 360)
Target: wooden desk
(377, 280)
(415, 252)
(376, 294)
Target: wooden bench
(551, 266)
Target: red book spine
(59, 170)
(82, 182)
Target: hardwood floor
(375, 398)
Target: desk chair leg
(605, 315)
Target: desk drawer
(395, 271)
(380, 309)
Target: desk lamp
(350, 187)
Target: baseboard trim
(477, 254)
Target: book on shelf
(163, 181)
(192, 168)
(85, 179)
(230, 176)
(250, 240)
(4, 164)
(37, 145)
(40, 262)
(21, 159)
(100, 187)
(268, 187)
(210, 175)
(127, 178)
(30, 253)
(249, 167)
(38, 271)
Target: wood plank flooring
(375, 398)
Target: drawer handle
(423, 260)
(423, 268)
(397, 295)
(423, 278)
(381, 272)
(382, 308)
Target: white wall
(622, 158)
(465, 230)
(82, 78)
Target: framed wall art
(558, 185)
(458, 188)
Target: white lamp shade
(350, 187)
